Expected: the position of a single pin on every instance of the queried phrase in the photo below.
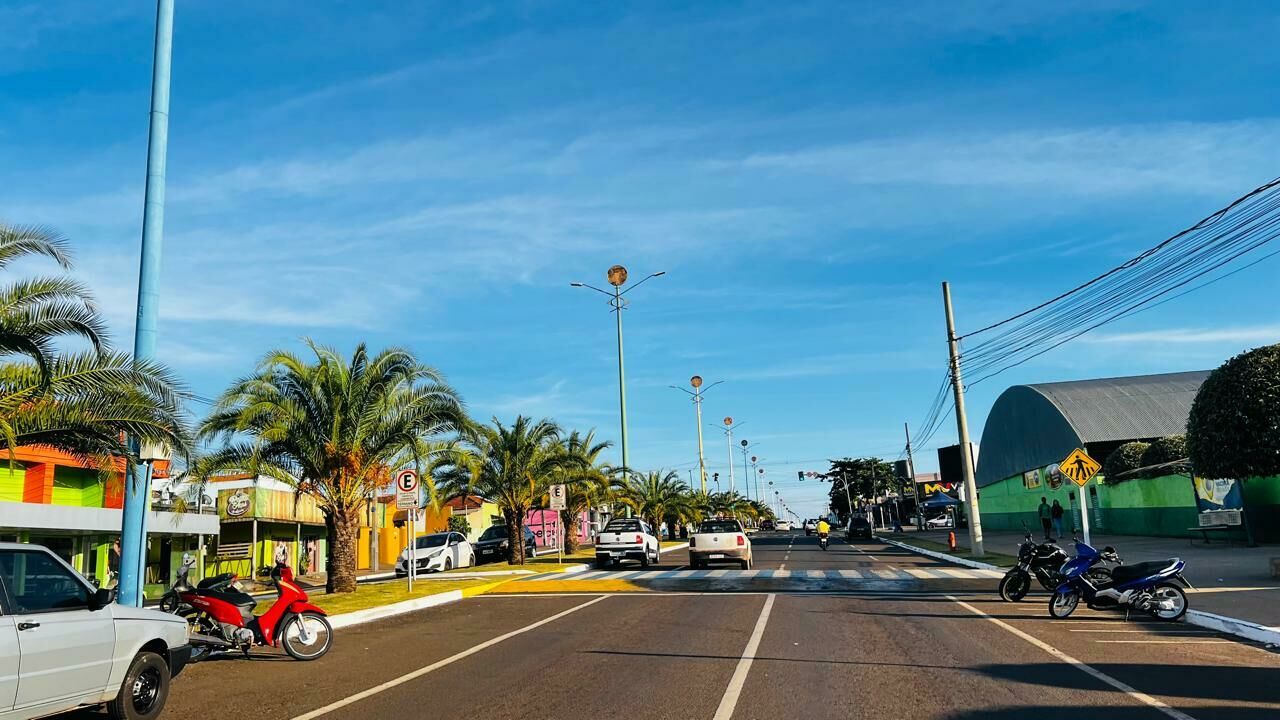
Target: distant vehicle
(810, 526)
(494, 544)
(68, 645)
(941, 521)
(766, 525)
(859, 527)
(626, 539)
(437, 552)
(720, 541)
(782, 526)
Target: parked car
(859, 527)
(626, 539)
(782, 526)
(64, 644)
(437, 552)
(720, 541)
(495, 544)
(810, 527)
(941, 521)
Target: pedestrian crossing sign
(1079, 467)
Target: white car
(942, 521)
(782, 526)
(810, 526)
(437, 552)
(64, 644)
(626, 539)
(720, 541)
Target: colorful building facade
(52, 499)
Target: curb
(1207, 620)
(360, 617)
(940, 556)
(673, 547)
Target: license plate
(487, 552)
(717, 556)
(616, 554)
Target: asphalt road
(866, 647)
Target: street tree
(657, 496)
(1122, 461)
(511, 465)
(588, 482)
(333, 428)
(1234, 427)
(868, 478)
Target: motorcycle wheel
(307, 636)
(1062, 604)
(1014, 585)
(1170, 602)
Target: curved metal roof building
(1031, 426)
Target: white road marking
(325, 710)
(1088, 669)
(781, 568)
(1179, 631)
(730, 699)
(1166, 642)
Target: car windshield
(432, 541)
(619, 526)
(719, 526)
(497, 532)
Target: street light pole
(617, 277)
(137, 490)
(696, 382)
(962, 429)
(746, 474)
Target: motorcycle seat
(234, 597)
(1137, 571)
(215, 580)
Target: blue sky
(435, 174)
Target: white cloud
(1265, 334)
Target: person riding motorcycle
(823, 528)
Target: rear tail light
(742, 540)
(639, 539)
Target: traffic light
(800, 474)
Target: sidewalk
(1229, 580)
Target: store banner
(1219, 500)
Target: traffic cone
(951, 541)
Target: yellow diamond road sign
(1079, 467)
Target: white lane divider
(336, 705)
(731, 693)
(1088, 669)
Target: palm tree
(333, 428)
(85, 403)
(512, 466)
(36, 311)
(588, 482)
(656, 495)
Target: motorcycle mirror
(1109, 550)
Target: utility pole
(962, 429)
(137, 489)
(911, 470)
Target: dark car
(494, 544)
(859, 527)
(766, 525)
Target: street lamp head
(696, 381)
(617, 276)
(753, 458)
(575, 284)
(728, 421)
(660, 273)
(744, 443)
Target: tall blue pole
(137, 495)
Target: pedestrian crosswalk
(899, 574)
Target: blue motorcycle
(1150, 587)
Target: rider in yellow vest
(823, 527)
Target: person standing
(1046, 517)
(113, 562)
(1056, 513)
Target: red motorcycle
(224, 619)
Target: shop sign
(238, 503)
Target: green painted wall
(77, 486)
(11, 481)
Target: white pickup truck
(64, 644)
(720, 541)
(626, 539)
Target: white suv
(64, 644)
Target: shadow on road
(1095, 712)
(1203, 682)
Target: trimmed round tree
(1234, 427)
(1123, 459)
(1164, 450)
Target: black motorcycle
(1045, 561)
(823, 541)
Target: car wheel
(448, 564)
(144, 690)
